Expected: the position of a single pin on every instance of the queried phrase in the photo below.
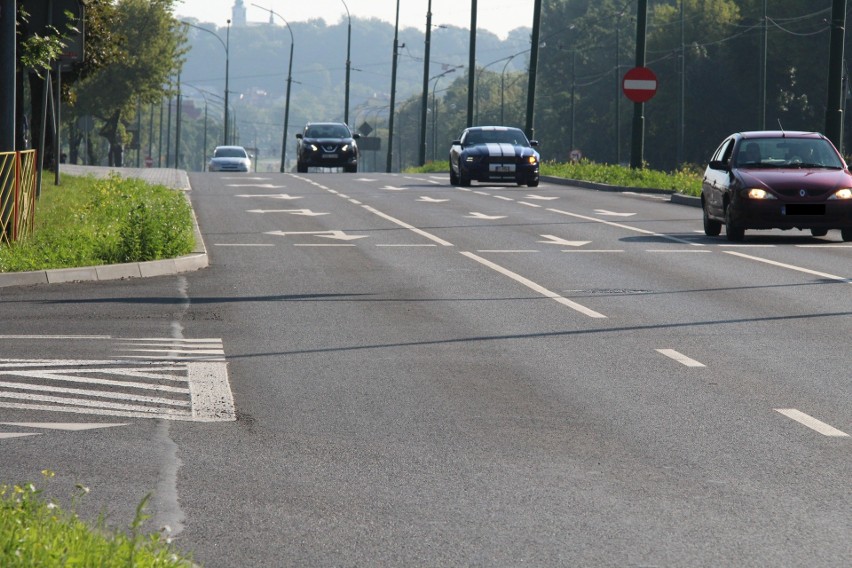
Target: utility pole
(389, 164)
(425, 97)
(8, 36)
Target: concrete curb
(196, 260)
(676, 198)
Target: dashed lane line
(680, 358)
(812, 423)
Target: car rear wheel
(733, 232)
(351, 169)
(819, 232)
(712, 228)
(846, 234)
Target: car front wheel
(712, 228)
(846, 234)
(734, 232)
(819, 232)
(454, 179)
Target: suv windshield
(327, 131)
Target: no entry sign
(639, 84)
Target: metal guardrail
(17, 195)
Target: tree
(151, 50)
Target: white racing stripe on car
(500, 149)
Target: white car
(229, 159)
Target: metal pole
(160, 139)
(425, 97)
(389, 163)
(177, 124)
(8, 12)
(227, 66)
(834, 107)
(151, 132)
(530, 129)
(169, 132)
(471, 66)
(638, 146)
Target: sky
(496, 16)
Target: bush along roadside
(91, 222)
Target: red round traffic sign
(639, 84)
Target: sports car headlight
(845, 193)
(531, 160)
(757, 193)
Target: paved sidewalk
(170, 177)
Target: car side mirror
(356, 136)
(456, 143)
(533, 142)
(718, 165)
(299, 135)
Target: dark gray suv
(327, 145)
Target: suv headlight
(845, 193)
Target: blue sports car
(494, 153)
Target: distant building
(238, 13)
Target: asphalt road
(384, 370)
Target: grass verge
(686, 180)
(91, 222)
(36, 532)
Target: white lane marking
(337, 235)
(504, 198)
(68, 376)
(392, 188)
(427, 199)
(812, 423)
(6, 436)
(482, 193)
(745, 246)
(541, 197)
(530, 204)
(613, 213)
(51, 337)
(210, 394)
(241, 245)
(305, 212)
(669, 251)
(355, 202)
(833, 245)
(323, 245)
(477, 215)
(680, 358)
(792, 267)
(420, 245)
(554, 240)
(271, 196)
(535, 287)
(65, 426)
(412, 228)
(627, 227)
(595, 250)
(509, 250)
(258, 185)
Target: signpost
(639, 84)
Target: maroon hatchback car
(777, 180)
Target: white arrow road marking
(392, 188)
(365, 179)
(426, 199)
(613, 213)
(305, 212)
(272, 196)
(6, 436)
(475, 215)
(257, 185)
(535, 287)
(67, 426)
(554, 240)
(339, 235)
(541, 197)
(679, 357)
(812, 423)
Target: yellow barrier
(17, 194)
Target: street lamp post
(348, 63)
(283, 167)
(435, 110)
(227, 46)
(424, 101)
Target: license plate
(329, 155)
(502, 168)
(804, 209)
